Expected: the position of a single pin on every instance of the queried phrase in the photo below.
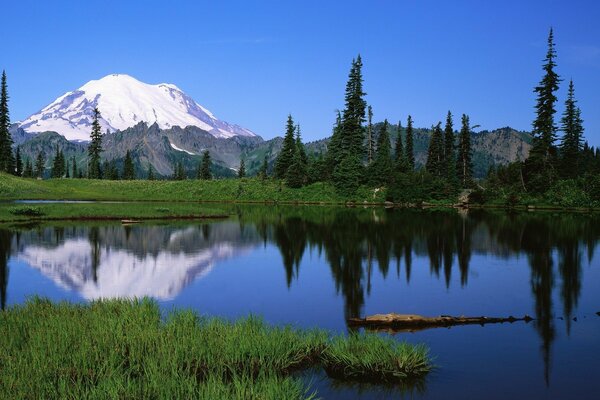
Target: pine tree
(128, 168)
(67, 174)
(204, 170)
(242, 169)
(401, 163)
(300, 149)
(179, 172)
(39, 165)
(296, 174)
(370, 141)
(28, 171)
(74, 167)
(18, 162)
(285, 157)
(435, 152)
(56, 170)
(449, 150)
(95, 148)
(382, 166)
(264, 169)
(540, 165)
(410, 154)
(334, 154)
(572, 140)
(151, 176)
(464, 164)
(7, 161)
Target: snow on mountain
(123, 102)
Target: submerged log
(411, 322)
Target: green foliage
(204, 167)
(7, 161)
(242, 169)
(26, 211)
(179, 172)
(353, 116)
(572, 140)
(18, 162)
(410, 152)
(95, 148)
(128, 168)
(381, 170)
(264, 169)
(296, 175)
(420, 186)
(151, 176)
(39, 165)
(127, 349)
(370, 139)
(58, 165)
(286, 156)
(347, 175)
(435, 153)
(464, 163)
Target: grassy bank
(222, 190)
(125, 349)
(11, 212)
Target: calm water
(317, 266)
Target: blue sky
(253, 62)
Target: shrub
(27, 211)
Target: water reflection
(160, 261)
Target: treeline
(564, 171)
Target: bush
(27, 211)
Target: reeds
(125, 349)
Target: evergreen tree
(18, 162)
(296, 175)
(382, 166)
(464, 164)
(370, 141)
(449, 149)
(572, 140)
(28, 171)
(7, 161)
(128, 168)
(151, 176)
(264, 169)
(286, 156)
(112, 172)
(334, 154)
(540, 165)
(242, 169)
(300, 149)
(410, 154)
(67, 175)
(435, 153)
(57, 165)
(39, 165)
(179, 172)
(401, 163)
(74, 173)
(204, 170)
(95, 148)
(351, 147)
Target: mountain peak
(123, 102)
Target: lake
(316, 266)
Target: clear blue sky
(253, 62)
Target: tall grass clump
(122, 349)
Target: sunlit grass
(127, 349)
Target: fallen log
(411, 322)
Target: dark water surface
(316, 266)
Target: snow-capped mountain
(123, 102)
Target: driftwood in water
(411, 322)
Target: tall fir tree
(297, 175)
(242, 168)
(7, 161)
(300, 147)
(205, 163)
(435, 152)
(57, 169)
(450, 150)
(382, 166)
(285, 157)
(370, 141)
(410, 153)
(464, 164)
(40, 162)
(540, 166)
(572, 141)
(28, 171)
(74, 173)
(150, 175)
(128, 167)
(18, 162)
(264, 169)
(401, 163)
(334, 154)
(95, 148)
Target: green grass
(121, 349)
(10, 212)
(222, 190)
